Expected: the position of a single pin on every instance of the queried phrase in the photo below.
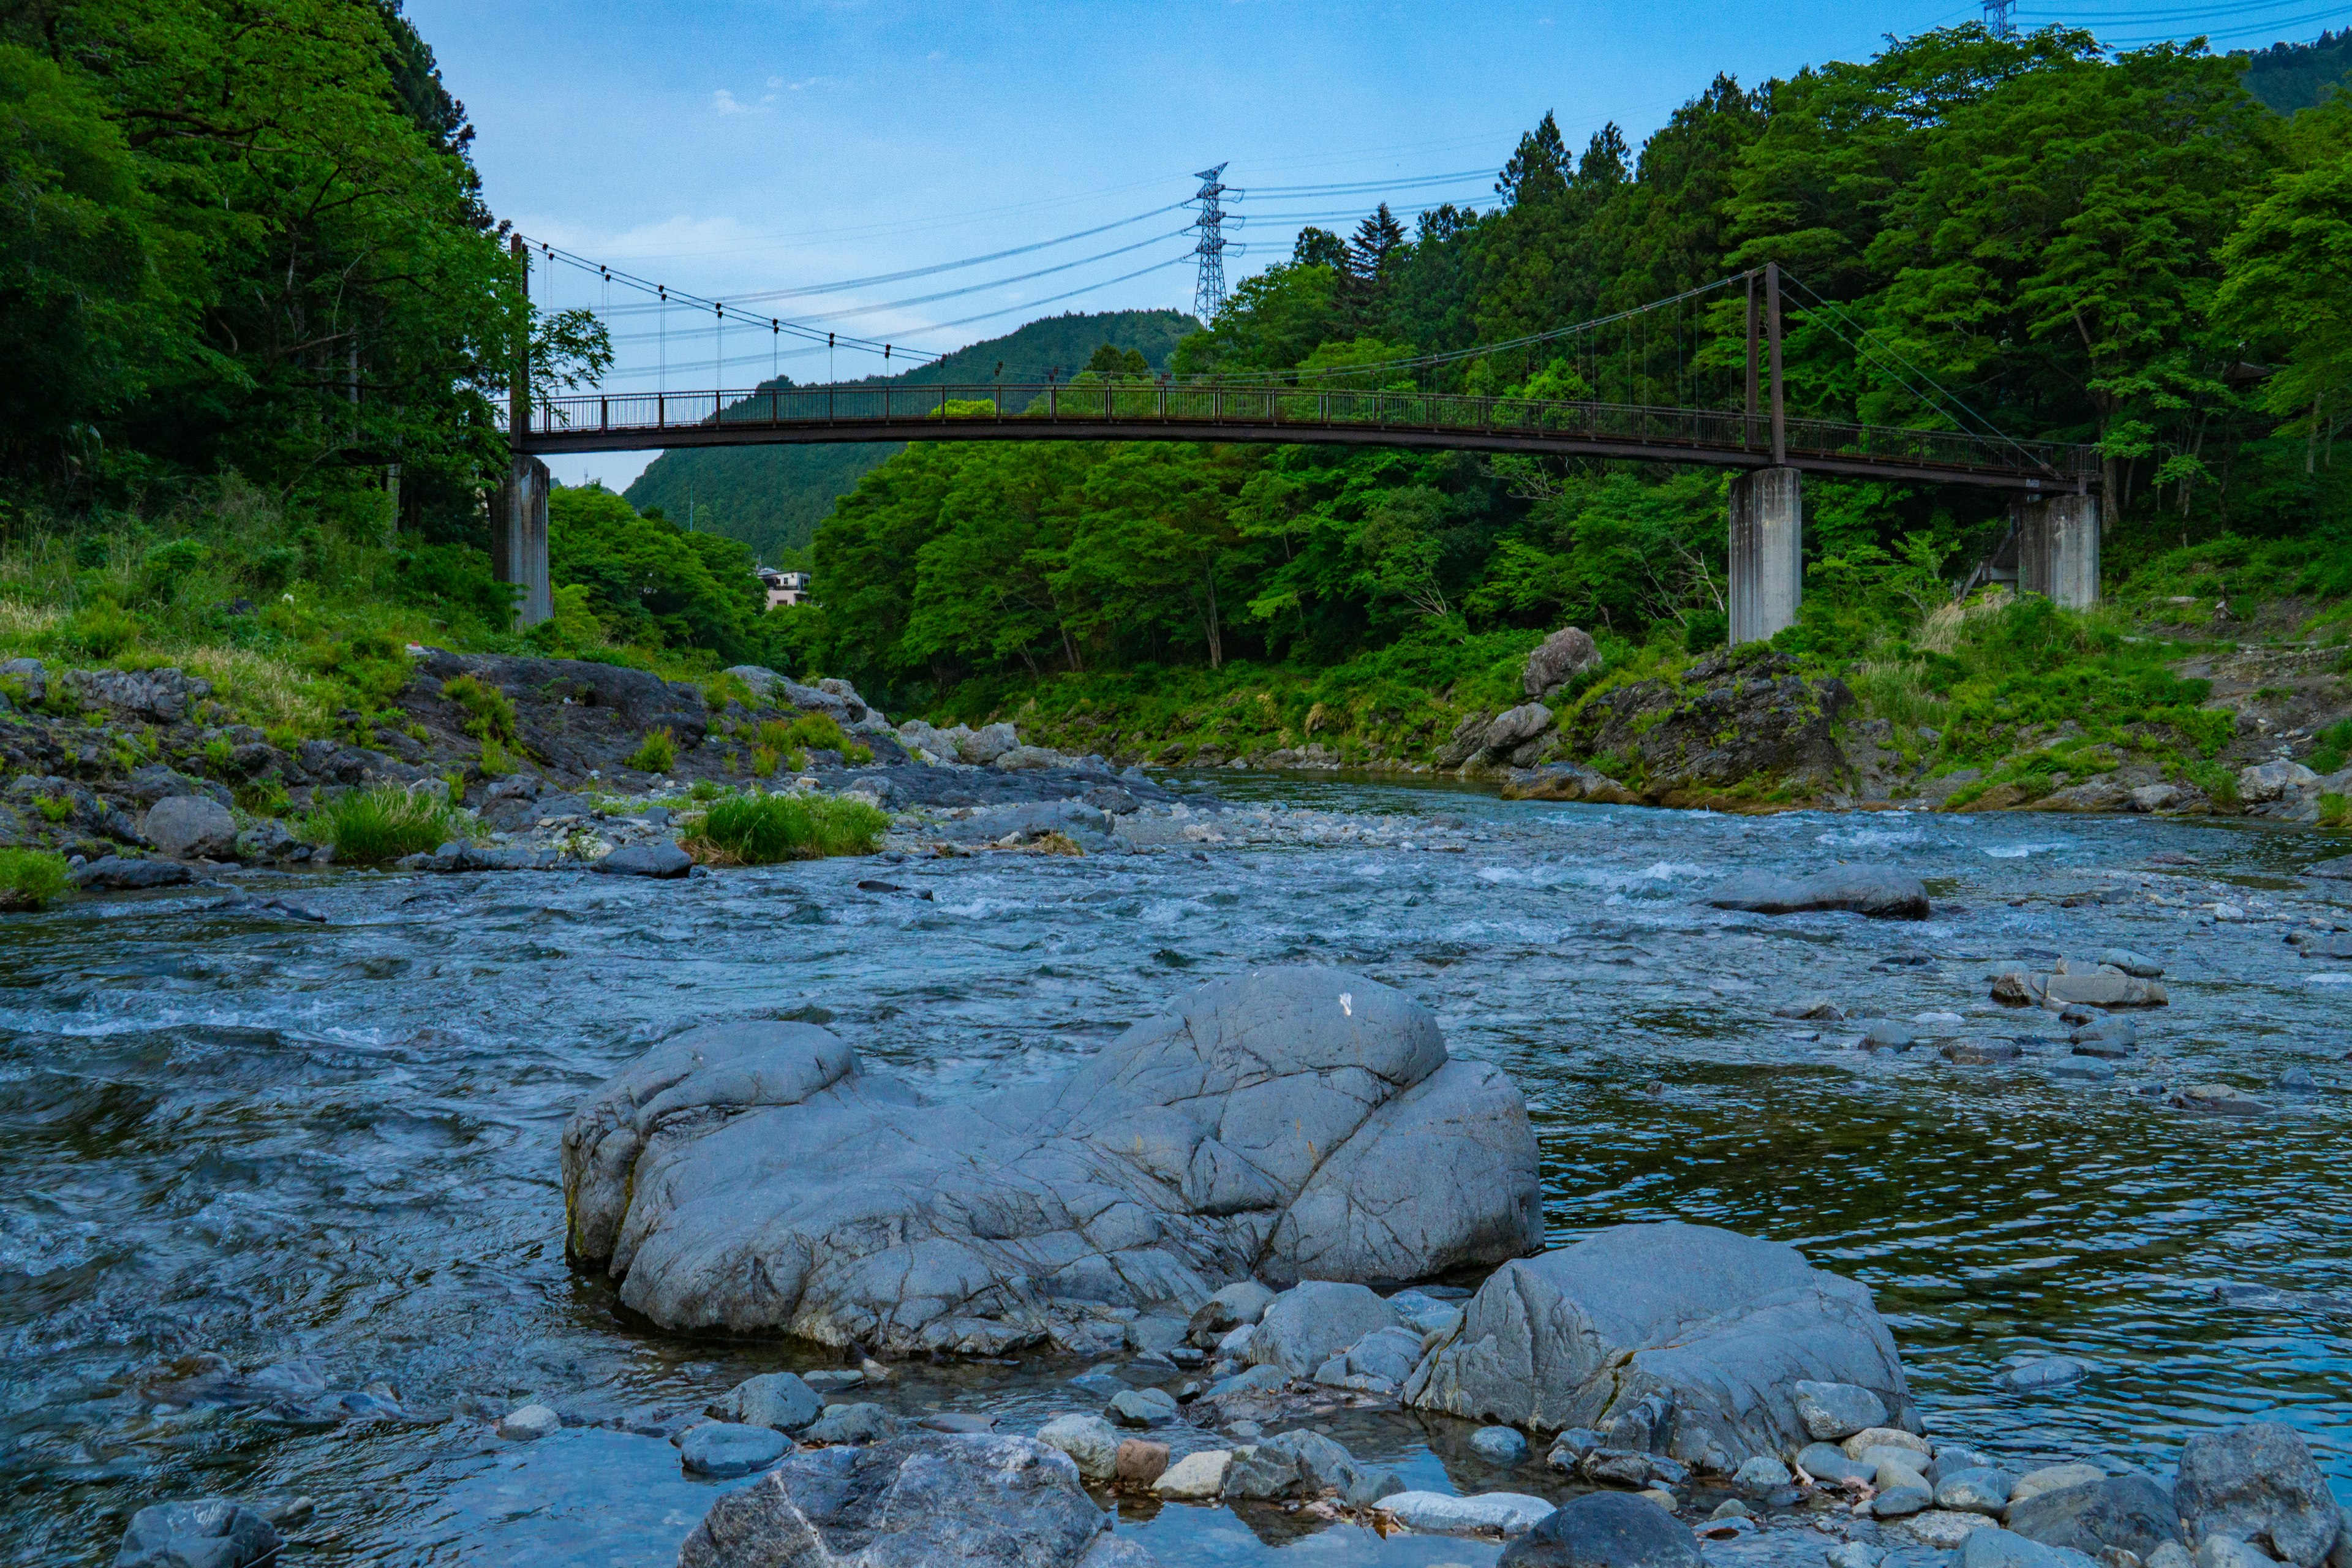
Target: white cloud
(724, 102)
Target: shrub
(764, 762)
(495, 762)
(491, 714)
(762, 829)
(100, 630)
(55, 807)
(2334, 811)
(811, 731)
(265, 798)
(368, 827)
(31, 877)
(2334, 744)
(657, 753)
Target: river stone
(1943, 1529)
(1091, 1442)
(1761, 1473)
(1140, 1462)
(954, 1501)
(1195, 1478)
(2053, 1479)
(1499, 1445)
(834, 1378)
(2257, 1483)
(1389, 1355)
(2229, 1551)
(2049, 1371)
(2336, 869)
(1515, 726)
(1834, 1410)
(852, 1424)
(1309, 1322)
(1238, 1305)
(1292, 1123)
(1442, 1513)
(1828, 1462)
(1870, 890)
(1993, 1547)
(776, 1399)
(1854, 1555)
(1951, 1458)
(727, 1448)
(646, 857)
(528, 1423)
(1559, 659)
(1901, 1491)
(1605, 1530)
(1980, 1491)
(1714, 1326)
(2131, 962)
(2132, 1511)
(115, 873)
(1252, 1379)
(1142, 1408)
(1859, 1446)
(209, 1532)
(985, 745)
(190, 827)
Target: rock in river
(2133, 1512)
(210, 1532)
(650, 858)
(934, 1499)
(724, 1449)
(1605, 1530)
(1861, 890)
(1292, 1123)
(2257, 1483)
(190, 827)
(1308, 1323)
(1674, 1339)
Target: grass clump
(657, 752)
(2334, 744)
(369, 826)
(762, 829)
(31, 877)
(489, 712)
(53, 807)
(810, 732)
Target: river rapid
(275, 1142)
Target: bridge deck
(1007, 412)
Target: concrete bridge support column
(2058, 550)
(519, 539)
(1768, 565)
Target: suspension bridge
(1682, 399)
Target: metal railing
(908, 412)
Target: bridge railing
(911, 409)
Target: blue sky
(738, 146)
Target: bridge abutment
(1767, 565)
(2058, 549)
(519, 539)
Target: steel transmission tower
(1996, 19)
(1209, 294)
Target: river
(271, 1141)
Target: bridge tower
(1996, 19)
(1209, 295)
(519, 515)
(1768, 505)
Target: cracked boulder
(1291, 1124)
(1673, 1338)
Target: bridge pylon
(519, 515)
(1767, 552)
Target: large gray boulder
(2257, 1484)
(1556, 661)
(1309, 1324)
(210, 1532)
(1605, 1530)
(190, 827)
(943, 1501)
(1676, 1339)
(2134, 1513)
(1292, 1123)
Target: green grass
(491, 714)
(2332, 746)
(810, 732)
(369, 826)
(656, 754)
(31, 877)
(54, 807)
(762, 829)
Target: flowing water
(335, 1144)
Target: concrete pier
(2058, 550)
(519, 539)
(1767, 563)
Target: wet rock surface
(1295, 1123)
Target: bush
(2333, 746)
(370, 827)
(491, 714)
(100, 630)
(811, 733)
(657, 752)
(31, 877)
(762, 829)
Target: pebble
(724, 1450)
(1983, 1491)
(1500, 1446)
(1763, 1473)
(528, 1423)
(1195, 1478)
(1944, 1528)
(1140, 1462)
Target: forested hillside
(772, 497)
(2124, 249)
(2290, 77)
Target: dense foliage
(772, 497)
(2118, 248)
